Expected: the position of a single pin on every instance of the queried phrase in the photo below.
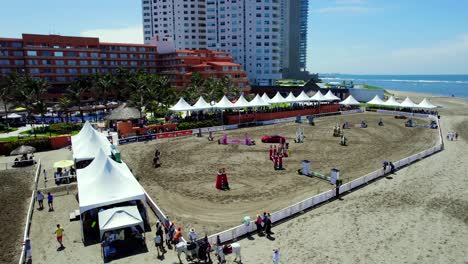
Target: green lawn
(9, 139)
(10, 130)
(46, 134)
(372, 87)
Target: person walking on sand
(50, 201)
(40, 200)
(59, 233)
(158, 240)
(456, 135)
(276, 256)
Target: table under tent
(87, 143)
(108, 191)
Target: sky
(344, 36)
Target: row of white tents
(105, 182)
(258, 101)
(264, 100)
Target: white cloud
(133, 34)
(448, 48)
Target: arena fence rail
(23, 256)
(282, 214)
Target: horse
(191, 251)
(235, 250)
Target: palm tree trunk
(81, 114)
(6, 116)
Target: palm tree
(76, 90)
(6, 92)
(138, 97)
(30, 94)
(63, 104)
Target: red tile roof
(223, 63)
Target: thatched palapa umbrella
(23, 150)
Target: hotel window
(59, 62)
(34, 70)
(83, 54)
(113, 56)
(69, 54)
(46, 53)
(123, 48)
(46, 62)
(72, 70)
(4, 62)
(19, 62)
(123, 56)
(72, 62)
(95, 63)
(58, 54)
(61, 79)
(103, 55)
(133, 48)
(32, 53)
(17, 44)
(94, 55)
(83, 62)
(60, 70)
(133, 63)
(33, 62)
(84, 70)
(18, 53)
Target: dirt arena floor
(184, 186)
(15, 193)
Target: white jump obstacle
(306, 171)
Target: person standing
(50, 201)
(158, 240)
(275, 256)
(40, 200)
(59, 233)
(268, 226)
(192, 235)
(178, 235)
(456, 135)
(258, 223)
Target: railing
(241, 230)
(30, 212)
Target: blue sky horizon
(344, 36)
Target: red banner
(175, 134)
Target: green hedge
(197, 124)
(65, 127)
(41, 144)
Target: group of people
(24, 160)
(263, 224)
(40, 201)
(388, 164)
(452, 136)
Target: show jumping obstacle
(226, 141)
(381, 122)
(306, 171)
(311, 120)
(411, 123)
(346, 125)
(343, 141)
(363, 124)
(222, 180)
(299, 135)
(337, 132)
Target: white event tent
(277, 99)
(181, 106)
(408, 103)
(350, 101)
(303, 97)
(318, 96)
(376, 101)
(426, 104)
(290, 98)
(224, 103)
(265, 98)
(258, 102)
(106, 182)
(241, 102)
(391, 102)
(118, 218)
(88, 142)
(331, 97)
(201, 104)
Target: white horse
(235, 250)
(182, 247)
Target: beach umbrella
(23, 150)
(63, 164)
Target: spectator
(268, 226)
(40, 200)
(158, 239)
(258, 223)
(192, 235)
(178, 235)
(275, 256)
(27, 246)
(59, 233)
(50, 201)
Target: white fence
(354, 111)
(238, 231)
(403, 113)
(30, 212)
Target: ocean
(445, 85)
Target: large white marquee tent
(88, 142)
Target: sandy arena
(184, 185)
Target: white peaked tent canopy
(376, 101)
(392, 102)
(318, 97)
(349, 101)
(105, 182)
(303, 97)
(88, 142)
(13, 116)
(277, 99)
(426, 104)
(181, 106)
(258, 102)
(241, 102)
(265, 98)
(201, 104)
(408, 103)
(118, 218)
(224, 103)
(330, 96)
(290, 98)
